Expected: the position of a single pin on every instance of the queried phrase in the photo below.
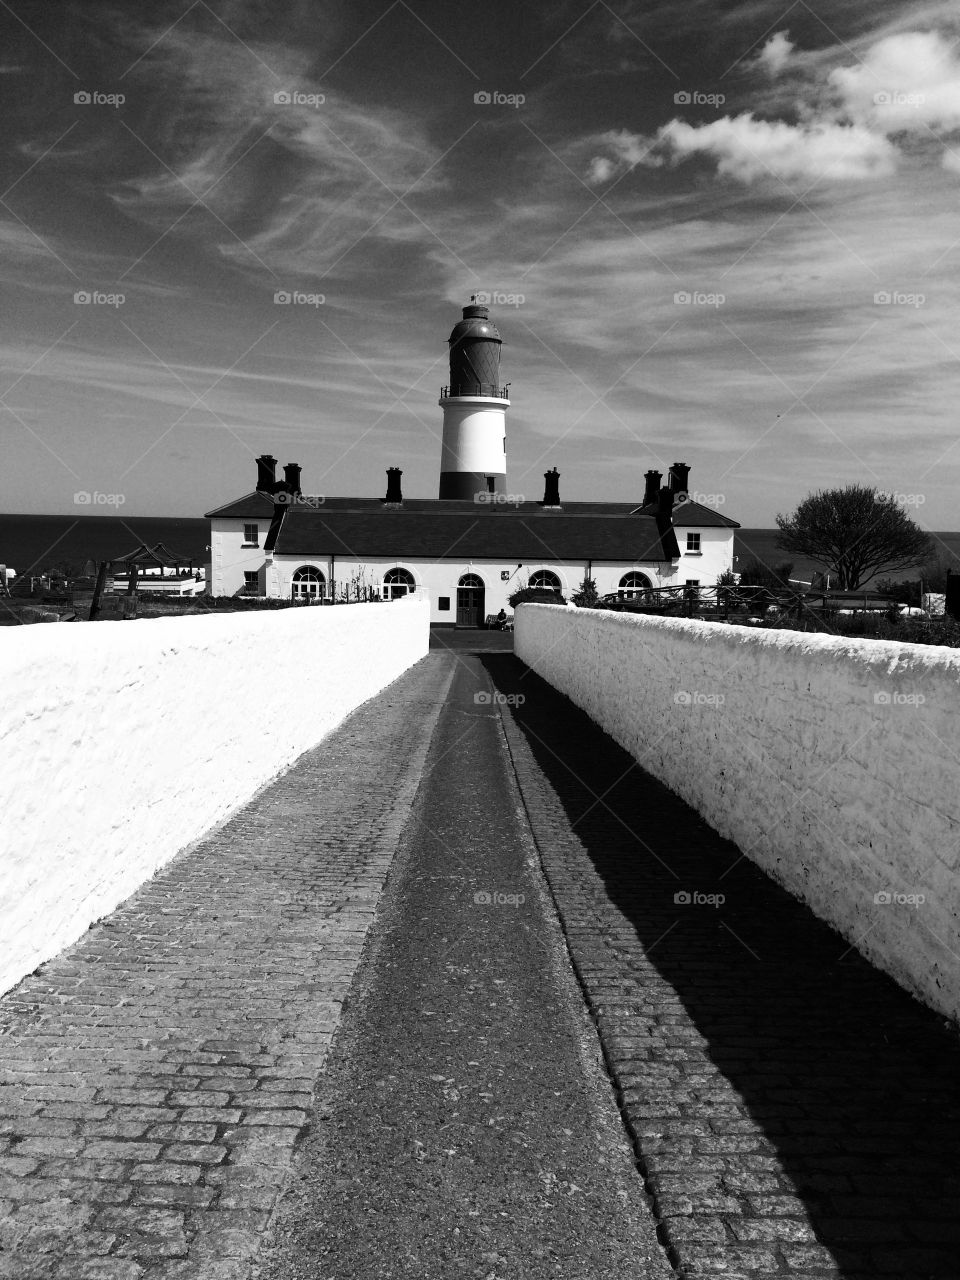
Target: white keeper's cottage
(473, 546)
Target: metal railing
(489, 390)
(722, 601)
(350, 592)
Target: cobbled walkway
(793, 1111)
(155, 1077)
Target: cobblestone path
(793, 1111)
(155, 1077)
(465, 1129)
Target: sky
(718, 233)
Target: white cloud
(775, 54)
(749, 149)
(629, 149)
(905, 82)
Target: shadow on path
(774, 1080)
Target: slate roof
(694, 514)
(475, 533)
(252, 506)
(436, 529)
(259, 506)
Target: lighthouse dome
(476, 323)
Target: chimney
(664, 518)
(551, 488)
(291, 477)
(394, 493)
(652, 491)
(679, 471)
(266, 473)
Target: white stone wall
(123, 742)
(834, 764)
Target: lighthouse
(473, 458)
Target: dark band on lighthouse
(473, 457)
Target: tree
(855, 533)
(586, 595)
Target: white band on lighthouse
(474, 445)
(474, 454)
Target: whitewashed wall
(230, 557)
(123, 742)
(834, 764)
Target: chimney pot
(679, 473)
(652, 491)
(291, 477)
(266, 473)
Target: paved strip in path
(155, 1077)
(795, 1112)
(465, 1127)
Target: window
(308, 583)
(251, 535)
(692, 582)
(251, 582)
(443, 604)
(693, 544)
(545, 579)
(633, 583)
(397, 583)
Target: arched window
(632, 584)
(545, 579)
(397, 583)
(308, 583)
(470, 580)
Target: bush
(535, 595)
(586, 595)
(877, 626)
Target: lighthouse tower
(473, 457)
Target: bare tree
(855, 533)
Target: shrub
(586, 595)
(535, 595)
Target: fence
(311, 591)
(723, 601)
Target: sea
(32, 543)
(762, 544)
